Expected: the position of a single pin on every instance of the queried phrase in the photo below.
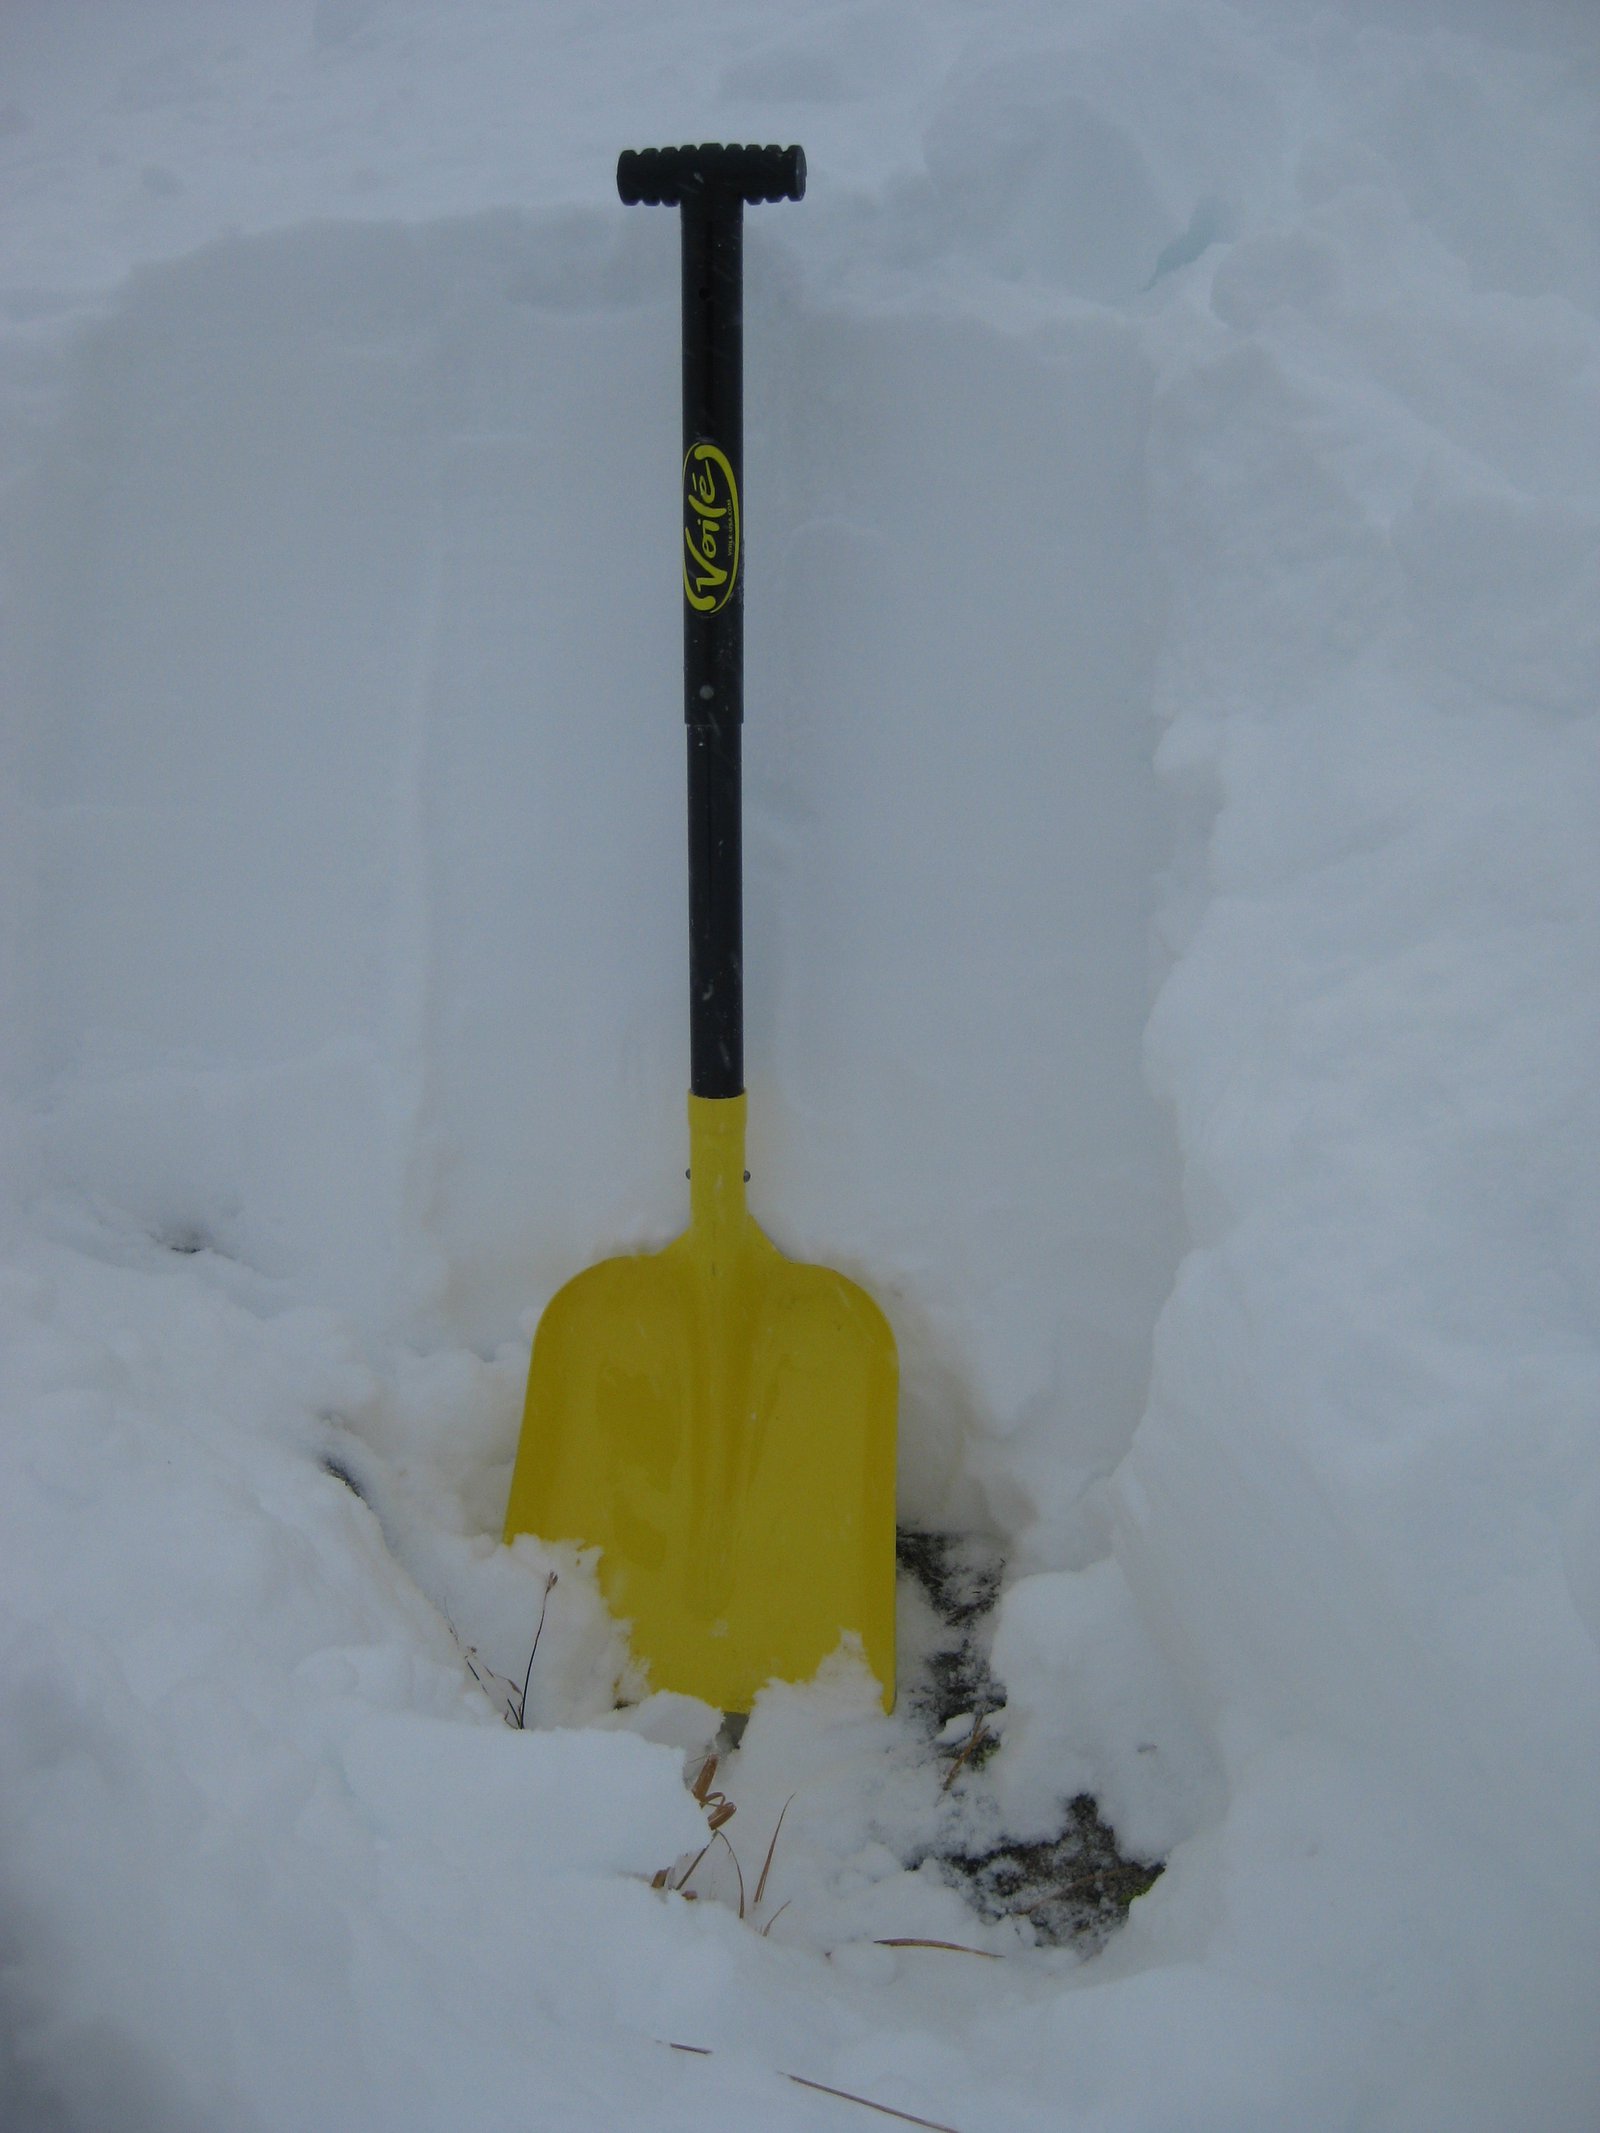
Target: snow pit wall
(354, 760)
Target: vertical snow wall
(356, 795)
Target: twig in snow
(521, 1712)
(974, 1739)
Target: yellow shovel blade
(720, 1421)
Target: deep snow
(1174, 509)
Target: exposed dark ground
(1072, 1889)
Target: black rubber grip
(661, 177)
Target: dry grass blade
(956, 1947)
(766, 1864)
(738, 1869)
(974, 1739)
(688, 1873)
(909, 2118)
(777, 1914)
(719, 1808)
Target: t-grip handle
(661, 177)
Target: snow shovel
(717, 1419)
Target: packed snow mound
(1173, 471)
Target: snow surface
(1174, 510)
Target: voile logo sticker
(710, 529)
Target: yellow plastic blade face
(720, 1421)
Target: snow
(1173, 509)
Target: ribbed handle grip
(661, 177)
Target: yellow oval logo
(710, 529)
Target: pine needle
(823, 2088)
(909, 2118)
(956, 1947)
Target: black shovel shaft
(711, 184)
